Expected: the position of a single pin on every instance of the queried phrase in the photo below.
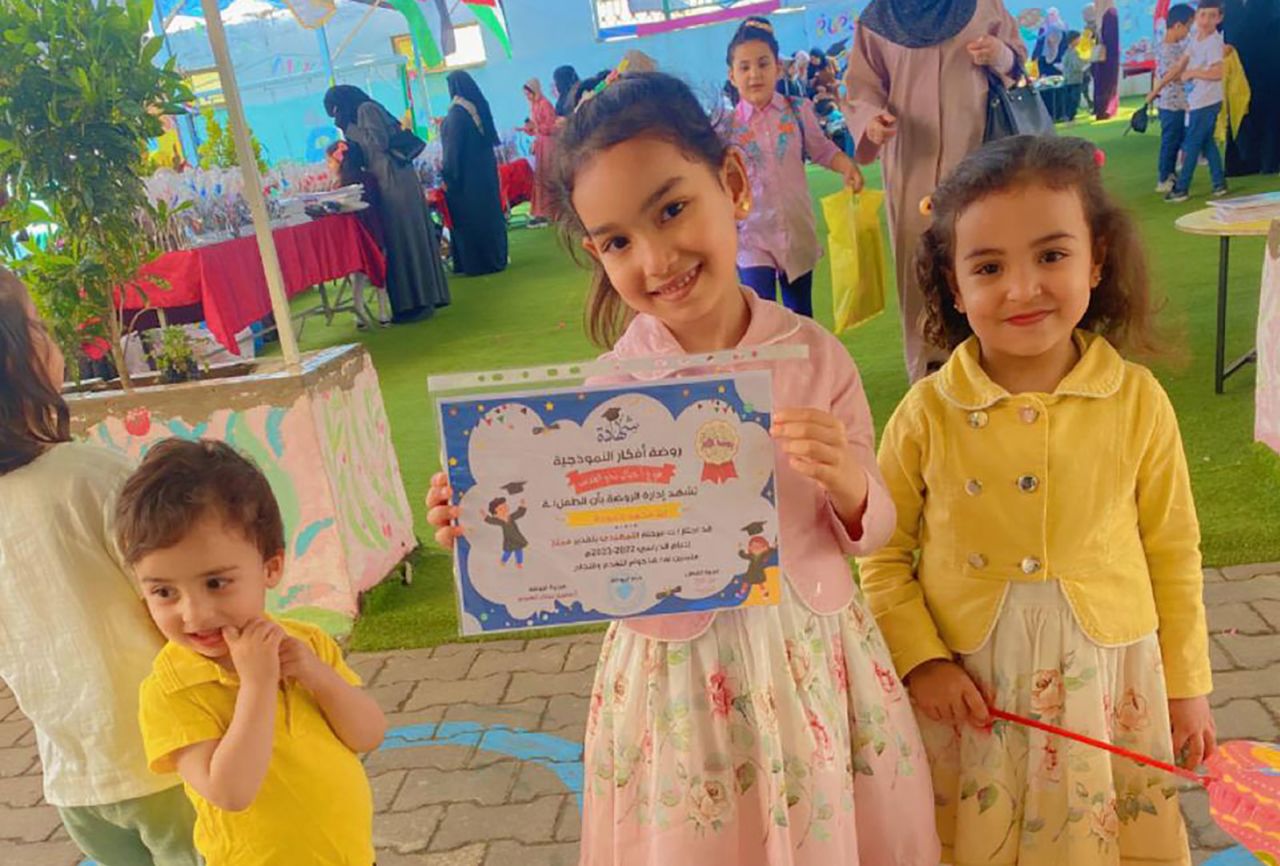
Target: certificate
(599, 503)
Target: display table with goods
(211, 270)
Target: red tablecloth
(228, 282)
(516, 179)
(515, 185)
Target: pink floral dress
(779, 737)
(1012, 795)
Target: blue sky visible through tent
(192, 7)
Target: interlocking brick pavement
(467, 785)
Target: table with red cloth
(228, 285)
(515, 186)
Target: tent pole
(252, 183)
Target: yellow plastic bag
(856, 247)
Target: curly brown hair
(179, 483)
(637, 104)
(1120, 308)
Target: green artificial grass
(532, 314)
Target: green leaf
(1145, 805)
(825, 812)
(970, 788)
(151, 49)
(1035, 825)
(746, 777)
(987, 798)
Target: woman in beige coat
(918, 86)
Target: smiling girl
(1046, 559)
(767, 736)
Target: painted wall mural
(323, 442)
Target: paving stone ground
(459, 794)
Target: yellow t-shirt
(315, 805)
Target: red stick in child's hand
(1090, 741)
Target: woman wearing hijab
(1051, 46)
(416, 282)
(472, 189)
(1106, 71)
(818, 63)
(542, 126)
(1252, 27)
(917, 85)
(566, 82)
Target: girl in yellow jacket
(1046, 555)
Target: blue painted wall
(283, 99)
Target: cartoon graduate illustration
(501, 515)
(757, 554)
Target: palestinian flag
(489, 13)
(424, 44)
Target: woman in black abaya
(416, 282)
(471, 181)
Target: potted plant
(173, 355)
(80, 95)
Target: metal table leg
(1220, 352)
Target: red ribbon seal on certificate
(716, 442)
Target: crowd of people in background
(845, 722)
(913, 64)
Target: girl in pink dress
(778, 245)
(542, 126)
(767, 736)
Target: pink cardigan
(815, 544)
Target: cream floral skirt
(778, 738)
(1013, 795)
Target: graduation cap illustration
(514, 488)
(612, 413)
(754, 528)
(537, 431)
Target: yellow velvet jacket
(1087, 486)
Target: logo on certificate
(627, 591)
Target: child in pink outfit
(778, 240)
(767, 736)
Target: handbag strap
(1018, 74)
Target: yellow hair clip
(926, 206)
(760, 25)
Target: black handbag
(1016, 110)
(404, 146)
